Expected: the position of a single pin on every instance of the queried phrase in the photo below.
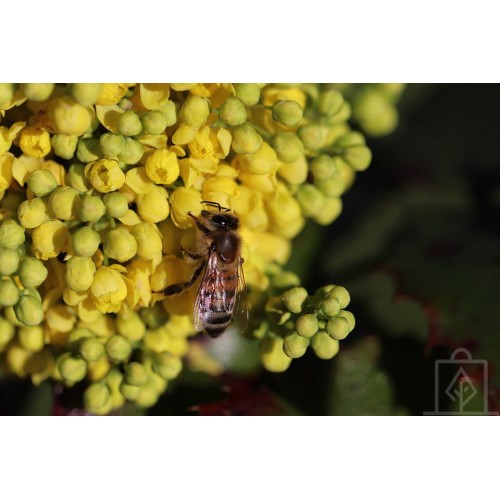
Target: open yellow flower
(49, 239)
(108, 290)
(162, 167)
(35, 142)
(105, 175)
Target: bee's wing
(241, 308)
(213, 294)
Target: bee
(222, 292)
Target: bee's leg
(180, 287)
(199, 225)
(189, 255)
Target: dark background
(417, 247)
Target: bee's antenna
(215, 204)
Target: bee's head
(221, 220)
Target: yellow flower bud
(108, 290)
(220, 189)
(136, 374)
(9, 293)
(167, 365)
(294, 299)
(130, 325)
(86, 241)
(9, 261)
(307, 325)
(7, 332)
(31, 338)
(120, 245)
(129, 391)
(340, 326)
(91, 349)
(71, 368)
(65, 202)
(42, 182)
(148, 239)
(283, 210)
(35, 142)
(153, 206)
(264, 161)
(79, 273)
(105, 175)
(6, 161)
(376, 114)
(329, 211)
(248, 93)
(38, 92)
(92, 208)
(162, 167)
(184, 200)
(295, 346)
(288, 147)
(76, 178)
(272, 356)
(330, 102)
(311, 200)
(118, 348)
(312, 136)
(154, 122)
(49, 239)
(129, 123)
(97, 398)
(69, 117)
(32, 213)
(170, 113)
(194, 111)
(324, 346)
(28, 310)
(32, 272)
(294, 172)
(154, 95)
(85, 94)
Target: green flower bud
(248, 93)
(38, 92)
(120, 245)
(311, 199)
(114, 379)
(312, 136)
(167, 365)
(65, 202)
(136, 374)
(116, 204)
(333, 187)
(330, 102)
(11, 234)
(287, 112)
(88, 150)
(91, 349)
(111, 144)
(306, 325)
(130, 325)
(195, 111)
(79, 334)
(129, 123)
(132, 151)
(86, 242)
(32, 272)
(97, 398)
(76, 178)
(7, 332)
(118, 348)
(92, 208)
(170, 113)
(148, 395)
(294, 299)
(295, 346)
(246, 140)
(272, 355)
(85, 94)
(329, 211)
(288, 147)
(233, 112)
(72, 369)
(32, 292)
(339, 327)
(7, 91)
(64, 145)
(32, 213)
(154, 317)
(375, 112)
(31, 338)
(341, 294)
(79, 273)
(350, 139)
(330, 306)
(9, 261)
(9, 293)
(285, 280)
(29, 310)
(130, 392)
(323, 167)
(357, 157)
(324, 346)
(154, 122)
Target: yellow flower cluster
(96, 183)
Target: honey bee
(222, 292)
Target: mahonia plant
(96, 183)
